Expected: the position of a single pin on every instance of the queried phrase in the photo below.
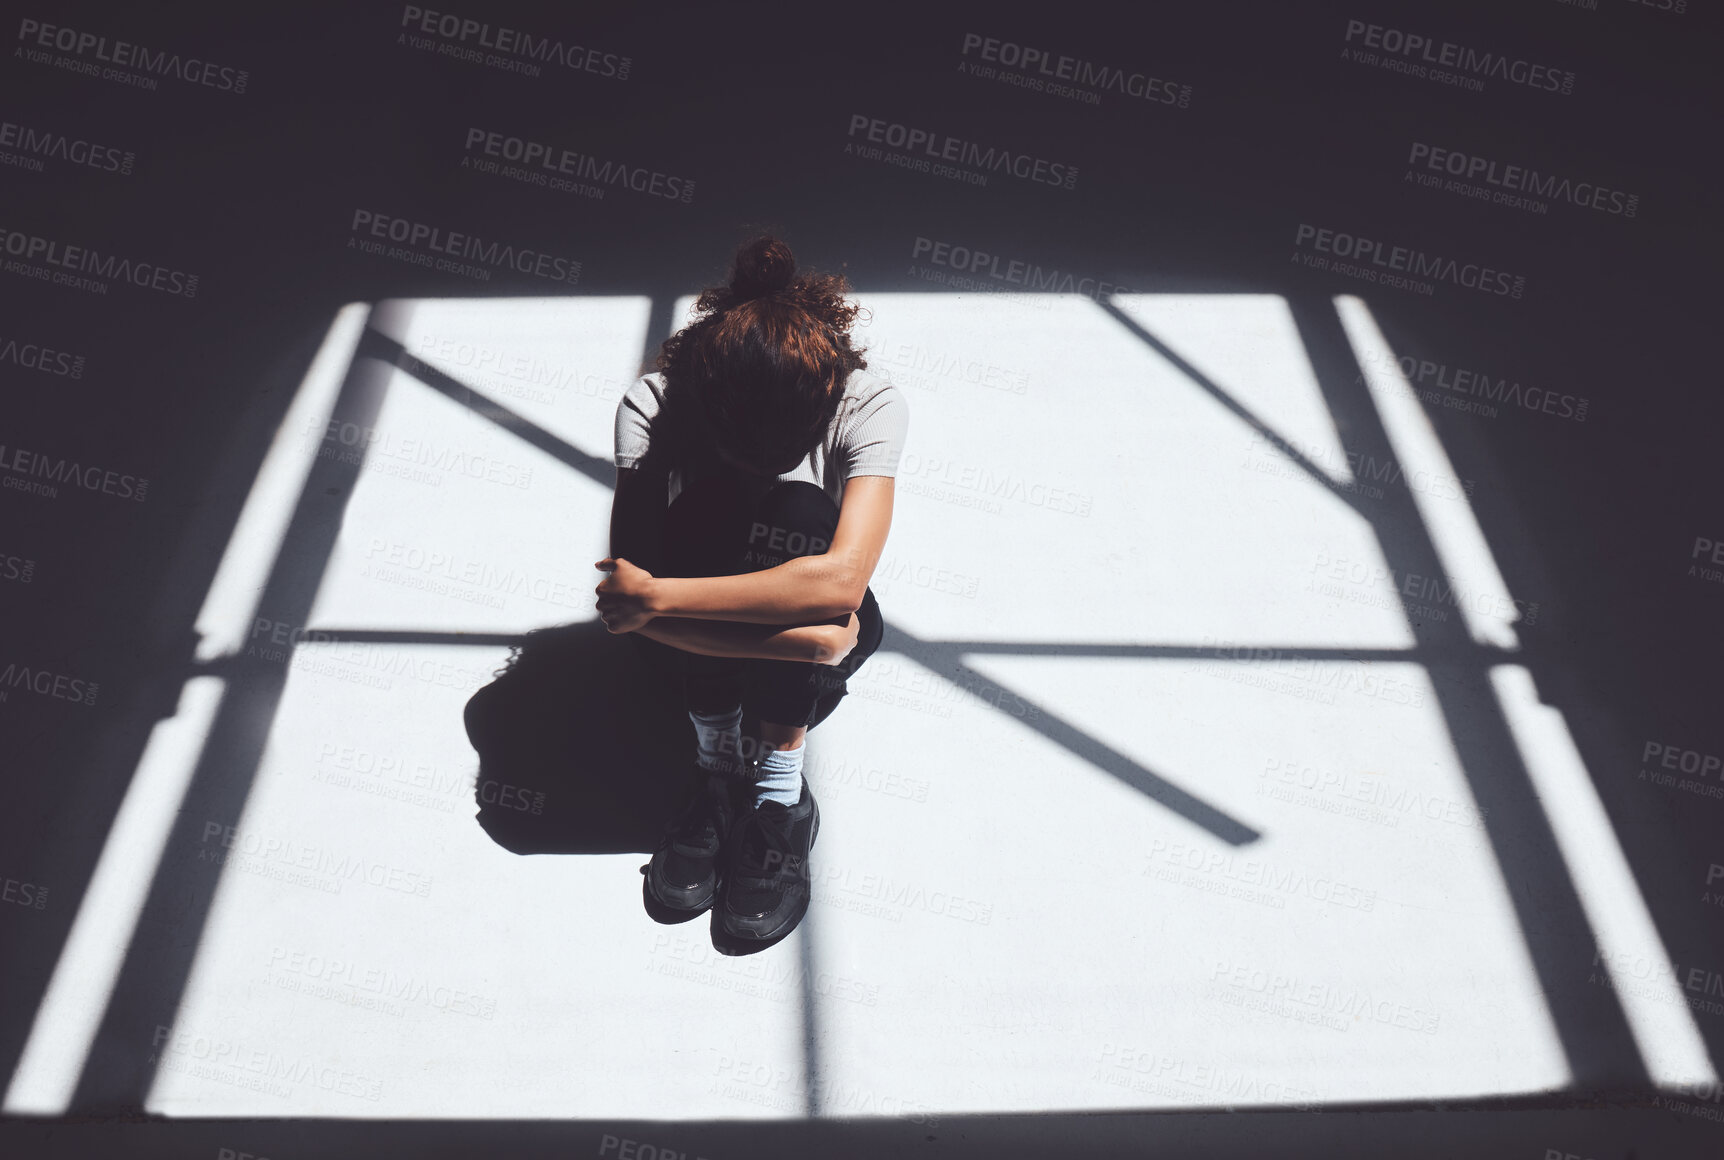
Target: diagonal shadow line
(123, 1059)
(1238, 409)
(1590, 1022)
(596, 468)
(945, 660)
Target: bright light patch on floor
(369, 930)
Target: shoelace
(698, 823)
(757, 837)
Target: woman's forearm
(717, 638)
(803, 588)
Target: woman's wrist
(653, 598)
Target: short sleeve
(636, 411)
(873, 442)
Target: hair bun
(762, 266)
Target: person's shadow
(582, 748)
(586, 748)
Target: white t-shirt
(865, 437)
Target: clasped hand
(622, 595)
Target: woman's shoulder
(647, 393)
(865, 389)
(873, 407)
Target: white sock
(717, 738)
(780, 778)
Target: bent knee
(794, 518)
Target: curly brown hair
(761, 367)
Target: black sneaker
(682, 877)
(766, 883)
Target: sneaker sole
(668, 913)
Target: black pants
(726, 524)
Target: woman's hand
(622, 602)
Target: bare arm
(824, 644)
(806, 588)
